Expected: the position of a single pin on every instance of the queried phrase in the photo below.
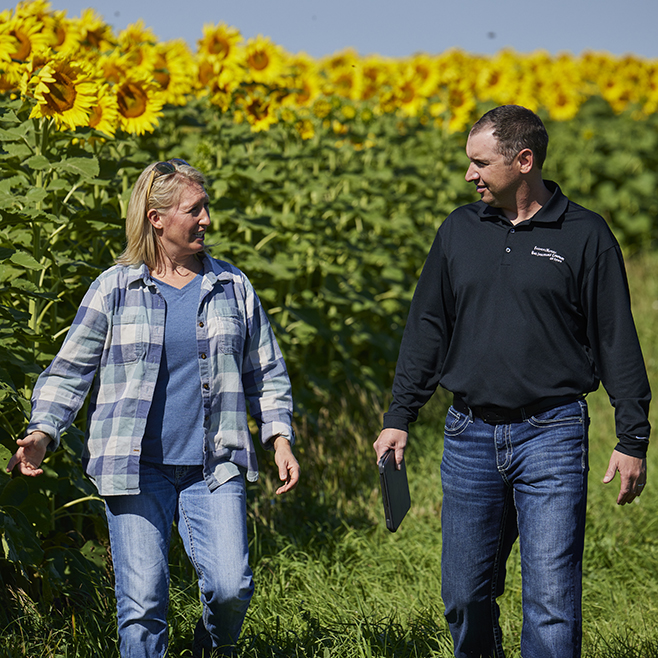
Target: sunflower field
(328, 179)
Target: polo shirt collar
(547, 214)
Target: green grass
(331, 581)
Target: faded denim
(526, 479)
(213, 528)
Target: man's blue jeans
(213, 527)
(525, 479)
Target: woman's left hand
(288, 465)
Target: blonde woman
(173, 344)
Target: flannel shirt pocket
(229, 328)
(128, 338)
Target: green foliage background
(333, 237)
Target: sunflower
(424, 71)
(140, 104)
(305, 128)
(406, 94)
(94, 32)
(346, 82)
(38, 8)
(498, 79)
(562, 101)
(341, 60)
(171, 70)
(113, 66)
(8, 45)
(220, 79)
(376, 74)
(65, 91)
(66, 37)
(636, 75)
(27, 30)
(105, 114)
(302, 90)
(650, 105)
(219, 42)
(321, 108)
(593, 64)
(462, 106)
(259, 110)
(339, 128)
(534, 78)
(302, 82)
(54, 24)
(138, 43)
(302, 64)
(387, 102)
(264, 60)
(562, 90)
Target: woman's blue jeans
(525, 479)
(213, 527)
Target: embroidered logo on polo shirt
(551, 254)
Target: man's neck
(530, 199)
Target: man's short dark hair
(515, 128)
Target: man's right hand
(30, 454)
(391, 439)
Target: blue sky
(397, 28)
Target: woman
(173, 345)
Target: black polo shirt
(508, 315)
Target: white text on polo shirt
(547, 253)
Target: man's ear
(526, 160)
(154, 217)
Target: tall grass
(331, 581)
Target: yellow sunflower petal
(65, 91)
(140, 104)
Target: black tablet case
(395, 490)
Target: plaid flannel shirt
(114, 347)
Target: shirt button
(203, 355)
(508, 250)
(201, 324)
(512, 230)
(206, 387)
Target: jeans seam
(192, 556)
(497, 632)
(507, 436)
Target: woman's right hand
(30, 454)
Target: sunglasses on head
(163, 169)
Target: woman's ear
(154, 217)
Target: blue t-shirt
(174, 428)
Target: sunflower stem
(41, 139)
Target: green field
(332, 581)
(339, 584)
(333, 238)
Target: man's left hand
(633, 474)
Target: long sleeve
(425, 341)
(62, 387)
(616, 350)
(264, 375)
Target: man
(521, 309)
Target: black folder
(395, 490)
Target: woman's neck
(177, 274)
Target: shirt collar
(213, 271)
(550, 213)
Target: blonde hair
(142, 241)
